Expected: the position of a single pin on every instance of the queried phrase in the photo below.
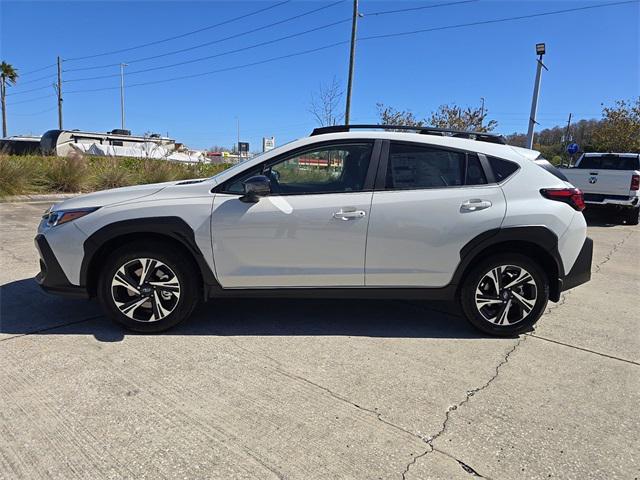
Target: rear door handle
(349, 214)
(474, 205)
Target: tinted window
(551, 169)
(335, 168)
(609, 162)
(475, 173)
(502, 169)
(414, 166)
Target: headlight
(59, 217)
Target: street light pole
(540, 50)
(122, 65)
(352, 57)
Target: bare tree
(391, 116)
(471, 119)
(325, 104)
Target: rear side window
(609, 162)
(415, 167)
(502, 169)
(541, 162)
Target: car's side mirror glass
(256, 187)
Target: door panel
(415, 236)
(290, 240)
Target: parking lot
(319, 389)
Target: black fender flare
(171, 227)
(537, 235)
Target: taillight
(635, 182)
(570, 196)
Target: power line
(31, 114)
(324, 47)
(31, 100)
(206, 44)
(498, 20)
(227, 69)
(29, 72)
(193, 32)
(28, 91)
(402, 10)
(208, 57)
(34, 80)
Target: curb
(52, 197)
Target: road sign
(573, 148)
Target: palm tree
(8, 76)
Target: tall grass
(75, 174)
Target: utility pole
(481, 112)
(238, 129)
(540, 50)
(122, 65)
(59, 92)
(567, 138)
(3, 92)
(352, 55)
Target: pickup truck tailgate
(611, 182)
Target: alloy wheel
(145, 289)
(506, 294)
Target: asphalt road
(319, 389)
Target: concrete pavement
(319, 389)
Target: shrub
(65, 174)
(17, 175)
(109, 173)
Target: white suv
(359, 211)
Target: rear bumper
(51, 278)
(620, 200)
(581, 271)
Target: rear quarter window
(541, 162)
(502, 169)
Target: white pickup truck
(609, 179)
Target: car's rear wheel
(505, 294)
(148, 287)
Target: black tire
(171, 262)
(536, 293)
(632, 216)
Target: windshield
(610, 162)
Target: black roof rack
(443, 132)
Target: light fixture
(540, 49)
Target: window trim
(368, 186)
(381, 177)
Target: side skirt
(444, 293)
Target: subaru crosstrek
(375, 212)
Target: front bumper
(51, 278)
(581, 271)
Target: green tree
(8, 76)
(619, 130)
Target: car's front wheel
(505, 294)
(148, 287)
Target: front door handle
(349, 214)
(474, 205)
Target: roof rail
(444, 132)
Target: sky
(593, 57)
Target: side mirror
(256, 187)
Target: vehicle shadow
(600, 217)
(25, 309)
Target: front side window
(328, 169)
(415, 167)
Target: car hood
(112, 196)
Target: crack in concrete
(613, 250)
